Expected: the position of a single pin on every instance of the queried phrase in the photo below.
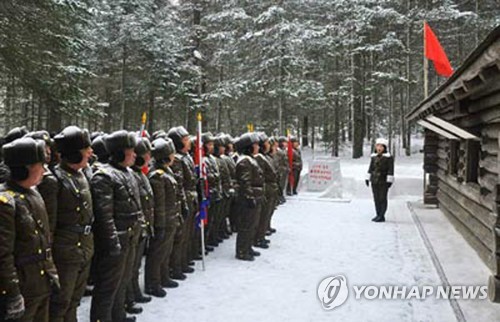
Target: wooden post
(430, 166)
(494, 280)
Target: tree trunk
(305, 130)
(122, 89)
(54, 123)
(408, 85)
(357, 112)
(336, 128)
(151, 122)
(219, 102)
(391, 111)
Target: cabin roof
(480, 67)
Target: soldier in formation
(80, 210)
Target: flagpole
(426, 67)
(426, 88)
(144, 117)
(202, 220)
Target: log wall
(473, 207)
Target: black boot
(191, 263)
(375, 218)
(178, 276)
(261, 244)
(132, 308)
(142, 299)
(188, 270)
(129, 319)
(254, 253)
(156, 291)
(212, 243)
(245, 257)
(170, 284)
(380, 219)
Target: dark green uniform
(167, 221)
(183, 169)
(73, 244)
(250, 195)
(226, 194)
(143, 232)
(47, 189)
(270, 194)
(381, 175)
(117, 209)
(296, 170)
(214, 186)
(231, 211)
(26, 265)
(175, 264)
(283, 167)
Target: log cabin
(461, 121)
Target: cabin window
(473, 153)
(454, 156)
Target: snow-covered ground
(316, 239)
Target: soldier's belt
(31, 259)
(77, 229)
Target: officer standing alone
(381, 175)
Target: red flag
(145, 168)
(199, 161)
(291, 179)
(435, 52)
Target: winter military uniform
(381, 175)
(183, 169)
(227, 192)
(117, 209)
(283, 168)
(176, 261)
(144, 229)
(102, 155)
(250, 196)
(270, 196)
(27, 271)
(231, 158)
(296, 169)
(230, 211)
(72, 220)
(214, 186)
(48, 185)
(167, 219)
(47, 189)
